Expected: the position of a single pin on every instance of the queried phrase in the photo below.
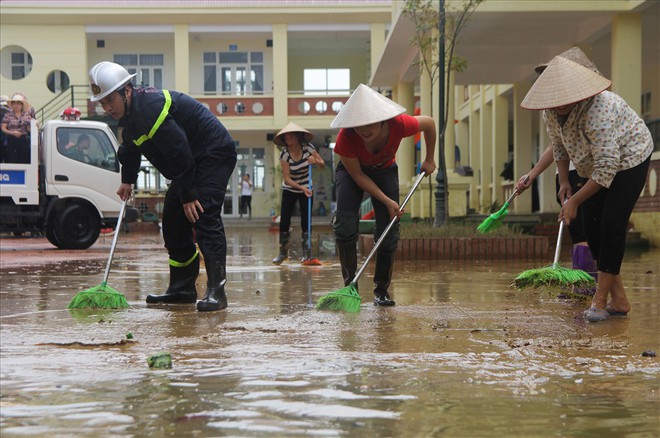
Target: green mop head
(494, 220)
(552, 277)
(346, 299)
(99, 297)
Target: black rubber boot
(215, 297)
(348, 259)
(285, 237)
(182, 285)
(383, 278)
(306, 250)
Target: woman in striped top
(296, 157)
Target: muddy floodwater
(461, 355)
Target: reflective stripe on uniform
(159, 120)
(176, 264)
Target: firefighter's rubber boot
(182, 285)
(284, 248)
(348, 259)
(582, 259)
(306, 250)
(215, 297)
(383, 278)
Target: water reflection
(461, 354)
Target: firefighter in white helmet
(189, 146)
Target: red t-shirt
(350, 145)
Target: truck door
(84, 164)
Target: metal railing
(75, 95)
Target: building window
(252, 162)
(149, 68)
(325, 81)
(21, 64)
(234, 73)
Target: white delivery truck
(68, 189)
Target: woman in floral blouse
(611, 146)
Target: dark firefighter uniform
(189, 146)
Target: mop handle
(514, 194)
(309, 213)
(557, 249)
(391, 224)
(114, 241)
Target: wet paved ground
(461, 354)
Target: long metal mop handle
(114, 240)
(387, 230)
(558, 248)
(309, 213)
(514, 194)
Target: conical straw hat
(291, 127)
(575, 54)
(364, 107)
(561, 83)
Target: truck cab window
(87, 146)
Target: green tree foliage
(429, 18)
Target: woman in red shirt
(372, 129)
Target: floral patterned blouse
(18, 123)
(602, 136)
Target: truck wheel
(76, 227)
(50, 235)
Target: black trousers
(16, 150)
(289, 200)
(606, 216)
(349, 199)
(211, 178)
(246, 204)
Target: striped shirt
(299, 170)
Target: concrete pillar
(546, 181)
(627, 58)
(522, 142)
(280, 75)
(181, 58)
(450, 133)
(405, 156)
(425, 95)
(475, 148)
(500, 136)
(377, 45)
(486, 148)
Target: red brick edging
(431, 248)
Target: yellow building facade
(254, 64)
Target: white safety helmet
(106, 77)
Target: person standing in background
(16, 127)
(296, 157)
(246, 196)
(4, 109)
